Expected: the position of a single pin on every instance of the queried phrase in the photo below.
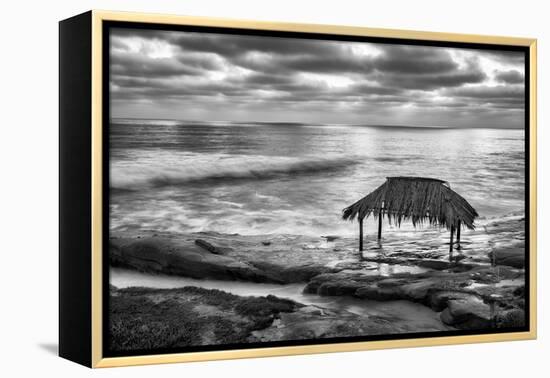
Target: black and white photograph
(270, 190)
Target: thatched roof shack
(419, 199)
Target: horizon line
(322, 124)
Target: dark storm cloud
(501, 96)
(261, 79)
(501, 91)
(232, 46)
(136, 64)
(160, 88)
(278, 55)
(510, 77)
(414, 60)
(433, 81)
(507, 57)
(160, 69)
(424, 68)
(140, 33)
(336, 62)
(368, 89)
(139, 66)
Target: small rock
(312, 310)
(440, 299)
(266, 242)
(467, 313)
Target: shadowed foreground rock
(142, 318)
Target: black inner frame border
(107, 25)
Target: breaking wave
(177, 169)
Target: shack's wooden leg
(380, 225)
(458, 236)
(452, 235)
(361, 235)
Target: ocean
(264, 178)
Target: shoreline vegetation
(480, 286)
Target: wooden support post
(458, 235)
(493, 313)
(380, 225)
(361, 235)
(452, 235)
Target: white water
(256, 179)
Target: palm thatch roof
(418, 199)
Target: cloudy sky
(221, 77)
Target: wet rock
(377, 293)
(305, 324)
(433, 264)
(467, 313)
(291, 274)
(232, 257)
(514, 257)
(338, 288)
(340, 283)
(313, 310)
(418, 291)
(171, 256)
(339, 270)
(462, 299)
(440, 300)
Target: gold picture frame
(95, 20)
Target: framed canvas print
(235, 189)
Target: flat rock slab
(210, 255)
(181, 257)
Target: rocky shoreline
(145, 318)
(480, 286)
(477, 298)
